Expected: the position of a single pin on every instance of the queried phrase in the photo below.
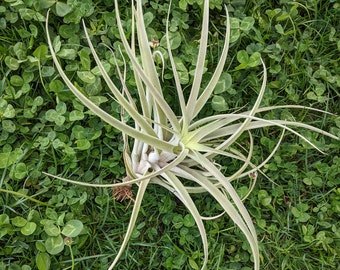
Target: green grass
(295, 204)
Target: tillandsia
(180, 152)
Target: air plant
(178, 152)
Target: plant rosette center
(154, 161)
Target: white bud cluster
(153, 157)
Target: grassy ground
(48, 224)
